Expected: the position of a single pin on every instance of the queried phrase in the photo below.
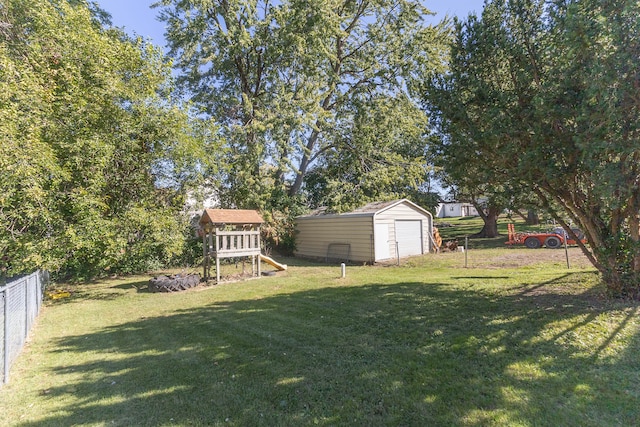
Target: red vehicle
(552, 239)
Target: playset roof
(230, 217)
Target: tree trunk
(304, 164)
(307, 155)
(521, 215)
(490, 218)
(531, 218)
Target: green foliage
(279, 230)
(377, 155)
(297, 86)
(542, 98)
(87, 142)
(622, 278)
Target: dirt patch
(517, 257)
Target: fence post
(6, 337)
(26, 308)
(466, 250)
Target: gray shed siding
(315, 234)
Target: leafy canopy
(88, 137)
(542, 98)
(295, 85)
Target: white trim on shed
(358, 236)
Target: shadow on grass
(140, 286)
(403, 354)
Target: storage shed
(375, 232)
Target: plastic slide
(273, 262)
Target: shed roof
(230, 216)
(370, 209)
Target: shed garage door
(409, 237)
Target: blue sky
(136, 16)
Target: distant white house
(455, 209)
(197, 201)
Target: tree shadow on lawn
(403, 354)
(84, 293)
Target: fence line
(20, 302)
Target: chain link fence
(20, 302)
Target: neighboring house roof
(230, 216)
(370, 209)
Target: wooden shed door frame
(409, 238)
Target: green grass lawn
(459, 228)
(514, 340)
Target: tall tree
(85, 137)
(545, 96)
(288, 80)
(378, 154)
